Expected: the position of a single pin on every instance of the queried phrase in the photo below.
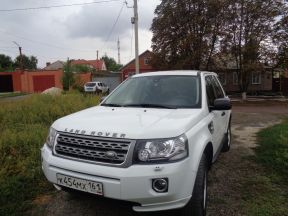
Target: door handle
(223, 114)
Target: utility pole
(134, 21)
(136, 36)
(118, 44)
(21, 57)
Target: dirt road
(225, 179)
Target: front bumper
(132, 184)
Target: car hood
(130, 123)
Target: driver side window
(210, 91)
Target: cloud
(98, 22)
(75, 32)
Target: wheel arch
(208, 151)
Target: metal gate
(6, 83)
(111, 82)
(42, 83)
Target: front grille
(92, 148)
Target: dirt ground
(225, 179)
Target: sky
(76, 32)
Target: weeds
(266, 193)
(23, 129)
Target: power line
(114, 25)
(47, 44)
(57, 6)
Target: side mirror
(102, 99)
(222, 104)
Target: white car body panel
(133, 183)
(134, 122)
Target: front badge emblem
(111, 154)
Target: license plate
(80, 184)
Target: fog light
(160, 185)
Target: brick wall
(143, 65)
(27, 82)
(16, 78)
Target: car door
(225, 114)
(215, 124)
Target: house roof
(97, 64)
(144, 53)
(55, 66)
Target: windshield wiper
(111, 105)
(150, 106)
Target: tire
(227, 139)
(198, 203)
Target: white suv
(150, 142)
(96, 87)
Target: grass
(266, 192)
(23, 129)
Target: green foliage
(283, 57)
(262, 197)
(198, 34)
(111, 64)
(6, 63)
(273, 149)
(68, 79)
(267, 193)
(80, 69)
(23, 128)
(29, 63)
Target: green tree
(248, 32)
(111, 64)
(68, 78)
(81, 68)
(186, 33)
(29, 63)
(194, 34)
(6, 63)
(281, 39)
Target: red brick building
(34, 81)
(144, 62)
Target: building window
(235, 78)
(146, 61)
(222, 78)
(256, 78)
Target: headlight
(51, 137)
(161, 149)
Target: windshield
(90, 84)
(171, 91)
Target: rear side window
(210, 91)
(90, 84)
(218, 90)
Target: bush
(23, 130)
